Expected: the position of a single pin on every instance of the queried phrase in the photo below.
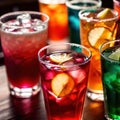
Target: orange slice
(62, 84)
(98, 35)
(60, 57)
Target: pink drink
(20, 46)
(64, 84)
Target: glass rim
(104, 56)
(82, 17)
(116, 1)
(22, 12)
(69, 4)
(68, 66)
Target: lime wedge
(62, 84)
(106, 13)
(115, 55)
(60, 57)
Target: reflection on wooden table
(33, 108)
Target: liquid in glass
(97, 26)
(21, 39)
(58, 24)
(64, 82)
(110, 63)
(74, 6)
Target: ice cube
(49, 75)
(38, 25)
(13, 23)
(24, 19)
(37, 22)
(69, 65)
(24, 30)
(79, 75)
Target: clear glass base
(24, 92)
(95, 96)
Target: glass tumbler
(64, 70)
(97, 26)
(23, 33)
(110, 64)
(58, 25)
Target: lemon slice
(106, 13)
(115, 55)
(60, 57)
(62, 84)
(98, 35)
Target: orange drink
(58, 24)
(97, 26)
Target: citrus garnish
(60, 57)
(106, 13)
(115, 55)
(62, 84)
(98, 35)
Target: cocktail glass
(64, 69)
(23, 33)
(74, 6)
(58, 24)
(110, 64)
(97, 26)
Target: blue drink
(74, 6)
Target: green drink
(110, 63)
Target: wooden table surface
(12, 108)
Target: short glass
(23, 33)
(58, 24)
(74, 6)
(64, 69)
(97, 26)
(110, 64)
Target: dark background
(17, 5)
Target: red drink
(20, 43)
(64, 81)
